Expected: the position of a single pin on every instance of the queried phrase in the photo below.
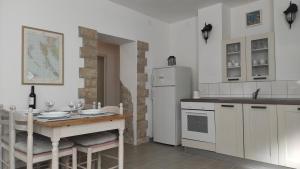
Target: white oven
(198, 121)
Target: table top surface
(79, 121)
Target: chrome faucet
(255, 94)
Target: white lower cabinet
(266, 133)
(229, 129)
(260, 133)
(289, 135)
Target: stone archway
(136, 128)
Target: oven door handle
(196, 114)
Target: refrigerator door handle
(152, 79)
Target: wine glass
(50, 104)
(80, 105)
(72, 106)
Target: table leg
(89, 159)
(55, 156)
(99, 160)
(121, 149)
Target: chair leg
(29, 165)
(12, 160)
(1, 157)
(98, 160)
(89, 159)
(74, 159)
(121, 149)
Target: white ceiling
(173, 10)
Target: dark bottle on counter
(32, 98)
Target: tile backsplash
(272, 89)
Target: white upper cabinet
(234, 60)
(229, 129)
(260, 57)
(260, 133)
(289, 135)
(249, 59)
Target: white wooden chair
(31, 148)
(4, 138)
(98, 142)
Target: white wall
(1, 67)
(184, 41)
(287, 43)
(226, 21)
(238, 18)
(65, 16)
(210, 54)
(183, 45)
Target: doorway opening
(108, 73)
(101, 80)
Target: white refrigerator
(169, 85)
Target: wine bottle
(99, 105)
(32, 98)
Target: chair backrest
(22, 119)
(24, 122)
(113, 109)
(8, 132)
(4, 123)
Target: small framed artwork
(42, 57)
(253, 18)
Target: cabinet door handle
(299, 108)
(234, 79)
(258, 107)
(227, 105)
(259, 78)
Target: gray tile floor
(157, 156)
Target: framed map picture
(253, 18)
(42, 57)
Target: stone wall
(126, 99)
(89, 72)
(142, 93)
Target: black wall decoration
(205, 31)
(290, 13)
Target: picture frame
(42, 57)
(253, 18)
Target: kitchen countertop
(243, 100)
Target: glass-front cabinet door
(234, 67)
(260, 57)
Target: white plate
(51, 118)
(92, 112)
(54, 114)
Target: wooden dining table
(59, 129)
